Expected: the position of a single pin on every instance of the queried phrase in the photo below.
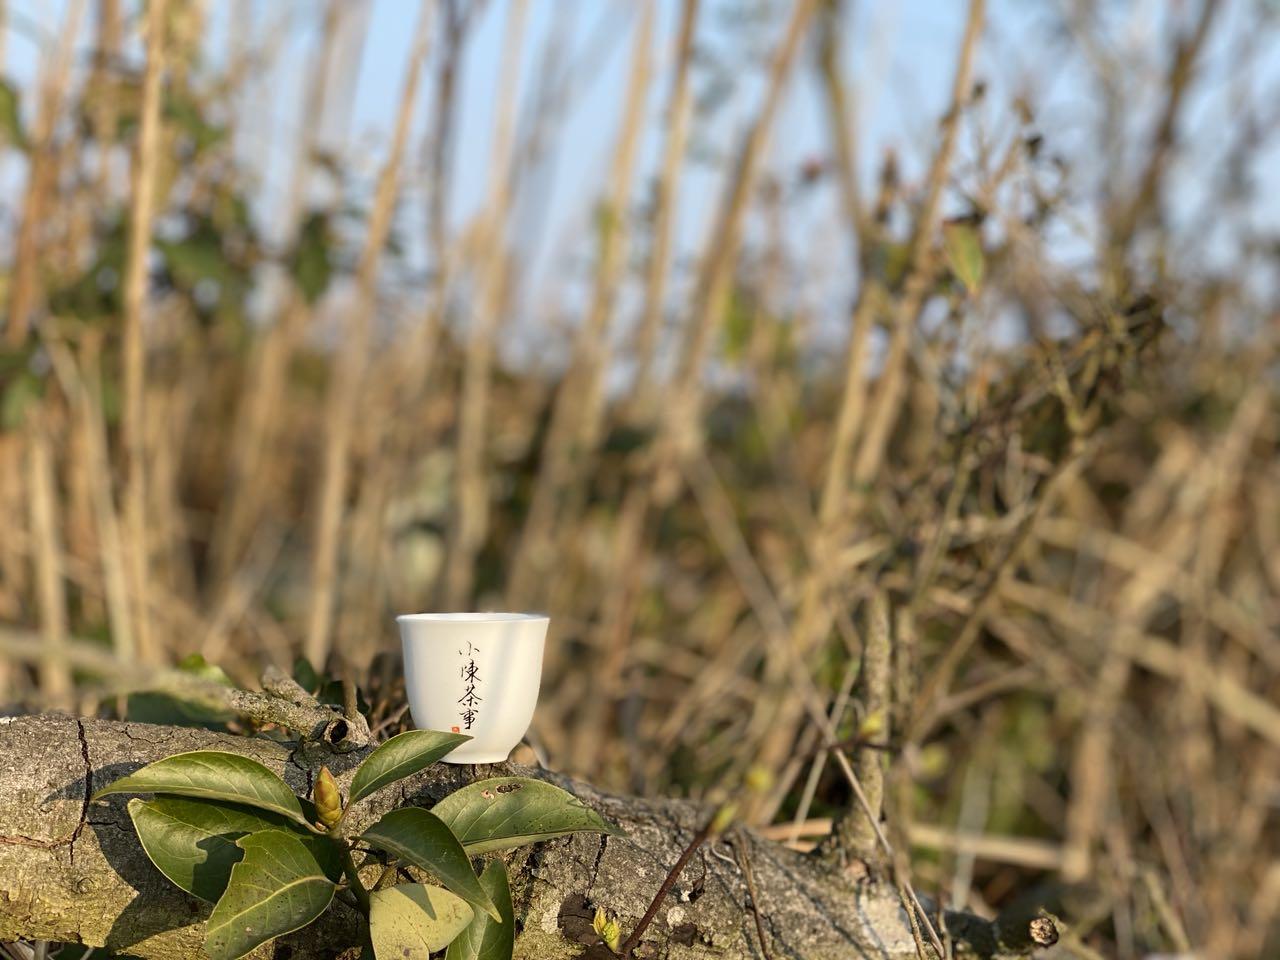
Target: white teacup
(474, 673)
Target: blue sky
(901, 56)
(591, 122)
(906, 80)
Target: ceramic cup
(474, 673)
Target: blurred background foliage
(1032, 404)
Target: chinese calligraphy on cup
(474, 673)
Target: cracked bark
(72, 870)
(88, 791)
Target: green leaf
(11, 116)
(213, 775)
(401, 756)
(607, 930)
(193, 842)
(484, 939)
(507, 812)
(412, 920)
(184, 114)
(964, 253)
(277, 888)
(18, 397)
(196, 665)
(739, 324)
(311, 263)
(306, 675)
(175, 709)
(422, 839)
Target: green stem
(388, 875)
(353, 875)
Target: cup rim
(471, 617)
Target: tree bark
(72, 870)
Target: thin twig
(142, 210)
(344, 396)
(85, 389)
(744, 864)
(55, 674)
(673, 874)
(42, 179)
(577, 408)
(667, 191)
(847, 769)
(470, 517)
(855, 417)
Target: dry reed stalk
(84, 391)
(471, 489)
(1247, 833)
(262, 409)
(1092, 763)
(400, 397)
(1140, 548)
(421, 353)
(134, 423)
(81, 523)
(457, 17)
(56, 688)
(899, 868)
(922, 715)
(1215, 527)
(236, 600)
(1144, 202)
(83, 207)
(364, 592)
(77, 573)
(678, 425)
(397, 400)
(106, 55)
(839, 707)
(842, 119)
(751, 581)
(263, 406)
(778, 392)
(871, 302)
(666, 198)
(617, 608)
(717, 508)
(725, 530)
(729, 537)
(25, 647)
(13, 564)
(1128, 555)
(175, 420)
(42, 180)
(814, 619)
(314, 111)
(854, 832)
(1092, 760)
(577, 409)
(885, 405)
(993, 848)
(350, 365)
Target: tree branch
(73, 871)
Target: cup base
(476, 758)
